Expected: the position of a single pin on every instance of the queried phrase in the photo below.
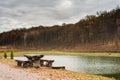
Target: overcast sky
(27, 13)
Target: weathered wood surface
(33, 57)
(46, 63)
(36, 64)
(34, 60)
(24, 63)
(58, 67)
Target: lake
(106, 66)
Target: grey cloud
(27, 13)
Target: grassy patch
(63, 53)
(116, 76)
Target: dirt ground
(10, 73)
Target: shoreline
(48, 74)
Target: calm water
(107, 66)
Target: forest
(100, 32)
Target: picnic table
(34, 60)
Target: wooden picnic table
(35, 60)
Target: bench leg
(49, 64)
(27, 64)
(19, 63)
(30, 64)
(41, 63)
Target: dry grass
(68, 75)
(8, 61)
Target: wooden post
(19, 63)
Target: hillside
(99, 32)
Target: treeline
(98, 32)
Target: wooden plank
(27, 64)
(24, 63)
(33, 57)
(59, 67)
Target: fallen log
(58, 67)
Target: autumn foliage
(99, 32)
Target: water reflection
(88, 64)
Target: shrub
(5, 55)
(12, 55)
